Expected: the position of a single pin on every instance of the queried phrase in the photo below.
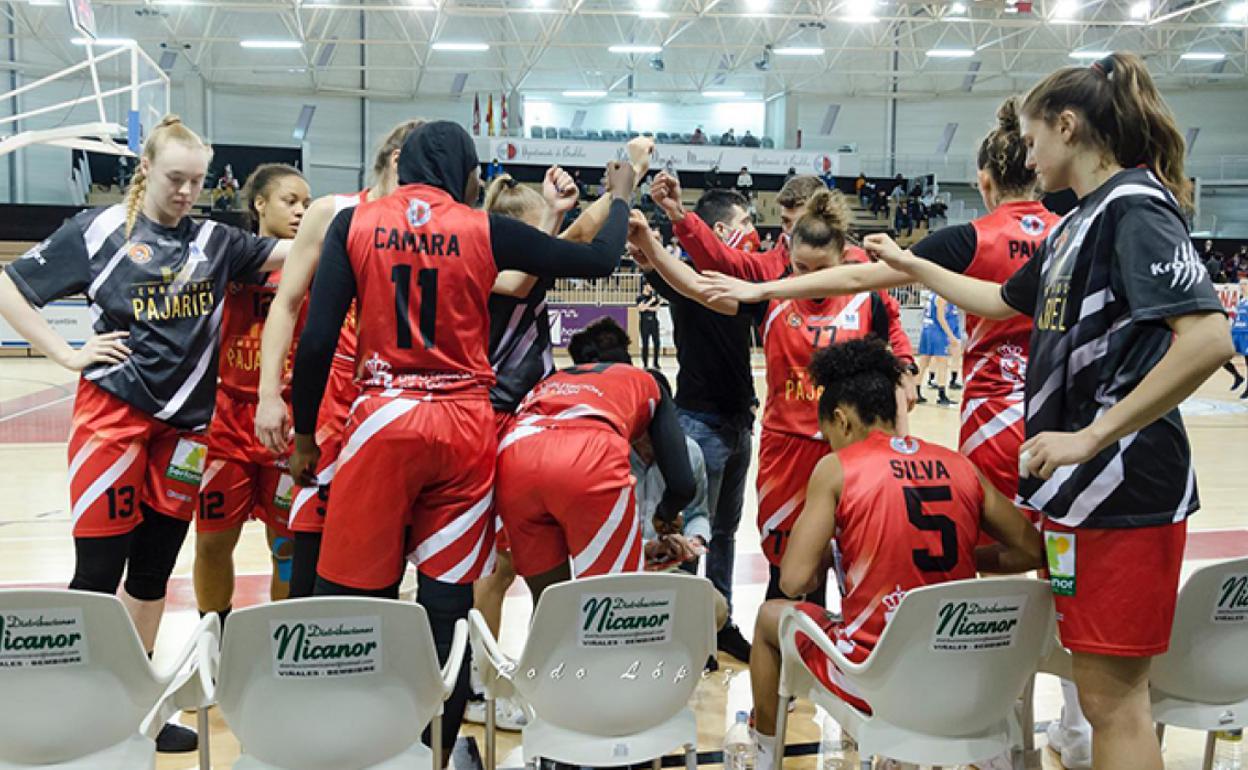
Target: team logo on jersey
(139, 253)
(1060, 547)
(378, 370)
(36, 253)
(187, 463)
(418, 212)
(1032, 225)
(1013, 363)
(904, 445)
(892, 601)
(794, 320)
(1184, 269)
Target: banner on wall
(71, 318)
(546, 152)
(568, 319)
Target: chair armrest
(483, 641)
(190, 680)
(1057, 660)
(459, 645)
(794, 620)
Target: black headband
(1104, 66)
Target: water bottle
(834, 745)
(739, 744)
(1230, 750)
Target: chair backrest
(686, 138)
(768, 142)
(661, 137)
(593, 135)
(1209, 640)
(535, 132)
(552, 132)
(328, 683)
(617, 654)
(565, 133)
(74, 679)
(955, 656)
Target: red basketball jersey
(246, 308)
(908, 517)
(792, 331)
(995, 361)
(622, 396)
(344, 355)
(423, 272)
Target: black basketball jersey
(163, 285)
(1099, 291)
(520, 347)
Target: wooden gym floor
(35, 547)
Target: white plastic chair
(368, 716)
(1201, 682)
(929, 706)
(101, 706)
(613, 692)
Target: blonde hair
(1123, 116)
(392, 144)
(170, 129)
(509, 198)
(1004, 156)
(825, 222)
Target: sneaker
(1074, 749)
(730, 640)
(920, 399)
(943, 399)
(176, 739)
(508, 715)
(712, 664)
(1239, 380)
(955, 385)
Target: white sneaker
(1074, 749)
(508, 715)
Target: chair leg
(1211, 741)
(657, 764)
(691, 757)
(491, 735)
(1161, 732)
(782, 723)
(435, 738)
(205, 751)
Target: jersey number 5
(401, 276)
(924, 559)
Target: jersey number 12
(401, 276)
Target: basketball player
(858, 518)
(242, 478)
(156, 281)
(1126, 325)
(938, 336)
(1239, 333)
(790, 445)
(417, 469)
(273, 423)
(565, 486)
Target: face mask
(746, 240)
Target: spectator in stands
(1238, 267)
(899, 181)
(711, 179)
(669, 168)
(791, 173)
(698, 137)
(860, 186)
(673, 246)
(495, 169)
(643, 190)
(1213, 263)
(728, 138)
(749, 140)
(880, 201)
(768, 243)
(226, 193)
(648, 304)
(745, 183)
(937, 210)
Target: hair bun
(1007, 115)
(830, 206)
(169, 120)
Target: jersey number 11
(401, 276)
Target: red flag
(503, 119)
(476, 115)
(489, 116)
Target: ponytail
(1124, 114)
(170, 129)
(1004, 156)
(507, 197)
(825, 222)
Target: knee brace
(99, 563)
(283, 557)
(153, 553)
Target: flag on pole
(476, 114)
(489, 116)
(503, 119)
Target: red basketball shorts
(819, 664)
(121, 457)
(307, 510)
(1115, 589)
(504, 422)
(990, 437)
(567, 493)
(415, 477)
(241, 479)
(785, 464)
